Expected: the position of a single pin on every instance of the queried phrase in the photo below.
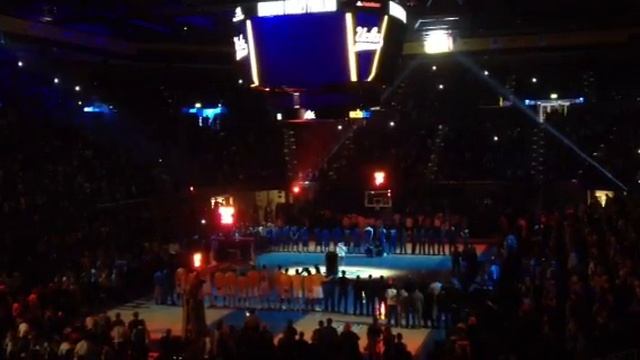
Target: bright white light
(160, 160)
(191, 188)
(185, 28)
(434, 68)
(77, 88)
(198, 105)
(392, 124)
(240, 81)
(495, 138)
(56, 80)
(79, 102)
(197, 260)
(486, 73)
(309, 115)
(203, 221)
(534, 80)
(438, 41)
(553, 96)
(638, 151)
(339, 127)
(252, 55)
(20, 64)
(226, 214)
(397, 11)
(378, 177)
(351, 54)
(279, 116)
(441, 86)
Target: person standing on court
(329, 291)
(343, 292)
(358, 290)
(370, 296)
(392, 304)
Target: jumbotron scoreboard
(312, 44)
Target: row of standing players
(309, 290)
(392, 240)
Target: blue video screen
(302, 50)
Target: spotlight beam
(532, 116)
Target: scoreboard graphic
(308, 44)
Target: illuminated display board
(314, 43)
(295, 7)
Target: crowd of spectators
(254, 340)
(65, 254)
(568, 289)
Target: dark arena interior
(319, 179)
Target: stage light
(379, 177)
(638, 151)
(553, 96)
(534, 80)
(56, 80)
(77, 88)
(20, 64)
(240, 81)
(441, 86)
(185, 28)
(495, 138)
(339, 127)
(79, 102)
(296, 189)
(203, 221)
(191, 188)
(159, 160)
(197, 260)
(486, 73)
(438, 41)
(279, 116)
(226, 214)
(392, 124)
(198, 105)
(434, 68)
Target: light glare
(438, 41)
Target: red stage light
(379, 177)
(197, 260)
(296, 189)
(226, 214)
